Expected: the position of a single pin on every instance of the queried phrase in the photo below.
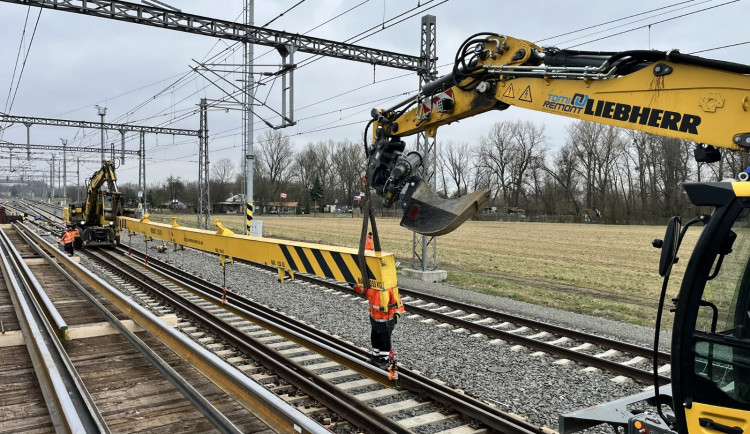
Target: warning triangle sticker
(509, 92)
(526, 95)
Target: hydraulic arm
(665, 93)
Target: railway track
(567, 346)
(624, 360)
(316, 372)
(81, 364)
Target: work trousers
(380, 335)
(69, 248)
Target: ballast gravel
(531, 386)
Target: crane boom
(665, 93)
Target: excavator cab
(393, 176)
(711, 337)
(710, 369)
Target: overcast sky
(76, 62)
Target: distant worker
(67, 239)
(23, 217)
(386, 309)
(369, 244)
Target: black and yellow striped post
(248, 217)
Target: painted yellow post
(248, 218)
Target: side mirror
(669, 246)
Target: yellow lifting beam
(339, 263)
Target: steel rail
(490, 416)
(564, 331)
(265, 405)
(298, 375)
(220, 422)
(639, 374)
(70, 406)
(35, 288)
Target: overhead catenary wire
(631, 23)
(182, 80)
(362, 33)
(612, 21)
(654, 23)
(10, 101)
(177, 115)
(720, 47)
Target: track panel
(22, 406)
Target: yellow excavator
(95, 218)
(670, 94)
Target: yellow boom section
(679, 100)
(337, 263)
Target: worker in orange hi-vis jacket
(67, 239)
(386, 309)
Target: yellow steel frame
(692, 103)
(333, 262)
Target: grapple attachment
(428, 214)
(391, 173)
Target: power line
(282, 14)
(655, 22)
(632, 22)
(721, 47)
(26, 57)
(18, 56)
(613, 21)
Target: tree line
(597, 172)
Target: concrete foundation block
(432, 276)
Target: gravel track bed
(532, 387)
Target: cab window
(721, 343)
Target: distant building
(234, 204)
(280, 208)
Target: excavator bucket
(428, 214)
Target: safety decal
(340, 266)
(526, 95)
(509, 92)
(437, 100)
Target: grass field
(601, 270)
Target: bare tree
(349, 165)
(223, 171)
(222, 175)
(506, 153)
(597, 148)
(455, 161)
(274, 157)
(565, 172)
(313, 161)
(528, 146)
(493, 161)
